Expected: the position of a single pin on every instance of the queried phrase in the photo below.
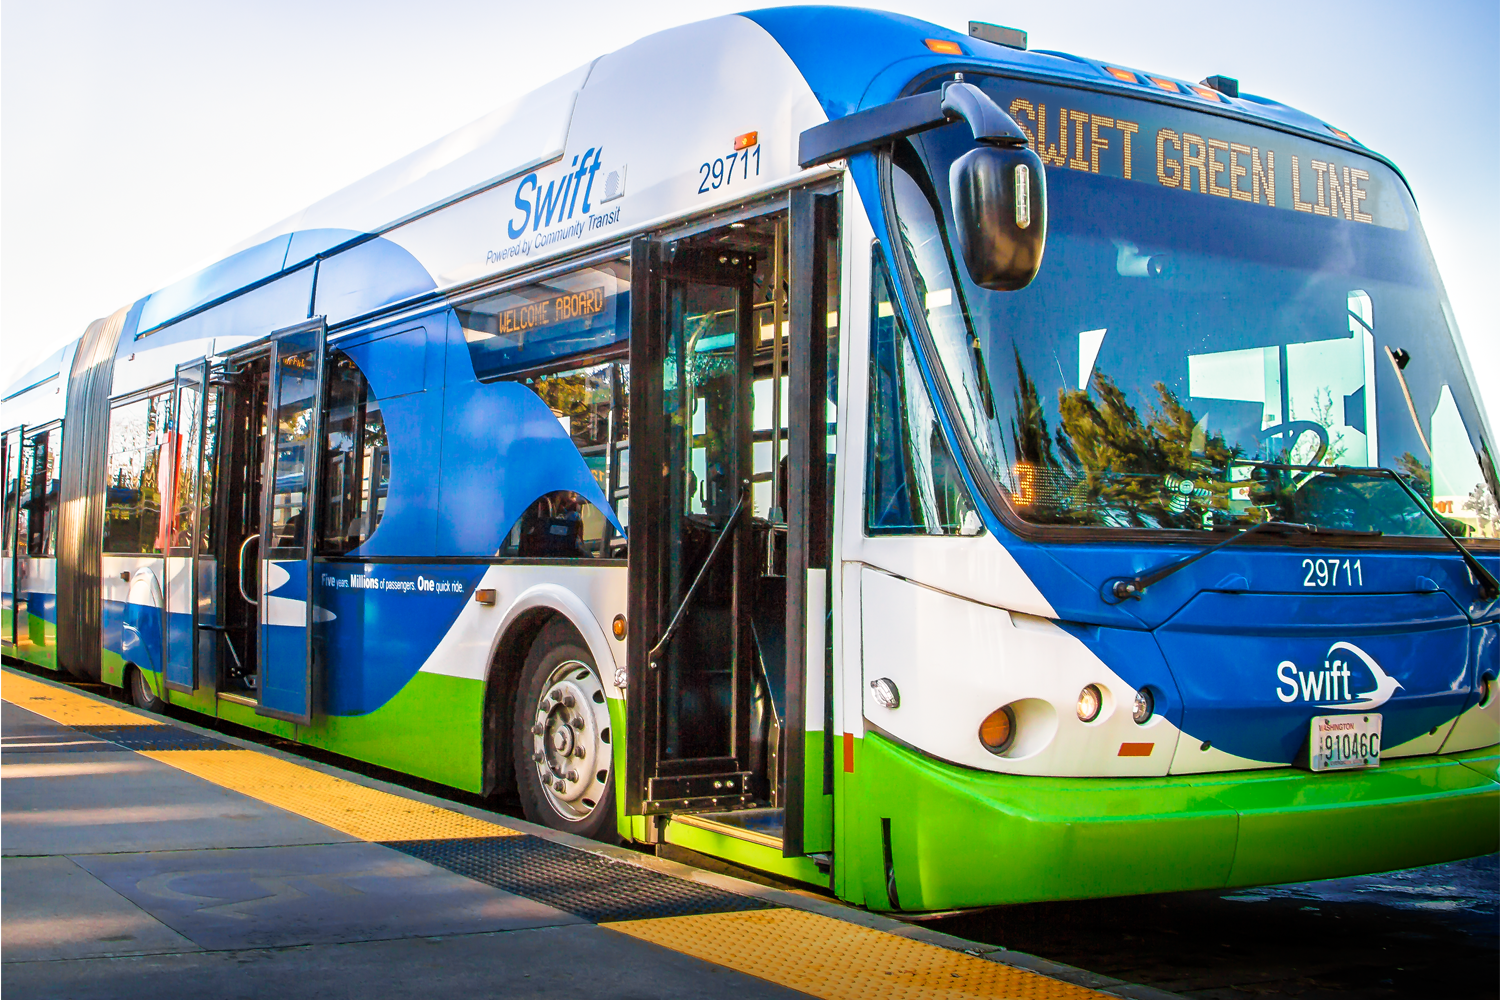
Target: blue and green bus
(884, 457)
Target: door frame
(813, 218)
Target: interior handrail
(244, 545)
(653, 658)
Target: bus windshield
(1222, 311)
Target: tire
(141, 695)
(561, 740)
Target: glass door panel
(294, 415)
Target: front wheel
(561, 741)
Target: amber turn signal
(618, 627)
(484, 596)
(998, 730)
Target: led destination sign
(532, 325)
(517, 320)
(1200, 154)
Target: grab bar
(713, 553)
(243, 545)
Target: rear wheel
(141, 695)
(561, 739)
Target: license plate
(1340, 742)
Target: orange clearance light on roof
(1122, 74)
(1339, 132)
(747, 140)
(945, 47)
(1207, 93)
(1166, 84)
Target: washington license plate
(1339, 742)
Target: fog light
(886, 693)
(1090, 700)
(998, 730)
(1144, 706)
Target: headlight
(998, 730)
(1144, 706)
(1090, 700)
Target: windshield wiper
(1489, 587)
(1136, 586)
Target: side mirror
(1000, 212)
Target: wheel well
(500, 692)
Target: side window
(912, 484)
(591, 404)
(141, 463)
(39, 488)
(357, 472)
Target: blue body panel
(854, 59)
(284, 673)
(132, 631)
(1233, 653)
(386, 621)
(216, 281)
(366, 277)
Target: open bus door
(691, 652)
(730, 528)
(293, 432)
(179, 515)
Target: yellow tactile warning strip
(350, 808)
(818, 955)
(64, 706)
(835, 960)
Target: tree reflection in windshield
(1107, 465)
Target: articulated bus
(879, 456)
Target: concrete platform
(231, 870)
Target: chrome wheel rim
(570, 737)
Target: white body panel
(590, 596)
(700, 99)
(955, 662)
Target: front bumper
(965, 838)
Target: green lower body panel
(111, 668)
(963, 838)
(433, 728)
(36, 642)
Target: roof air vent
(1226, 85)
(1011, 38)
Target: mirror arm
(843, 137)
(989, 122)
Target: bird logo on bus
(1332, 681)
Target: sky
(140, 141)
